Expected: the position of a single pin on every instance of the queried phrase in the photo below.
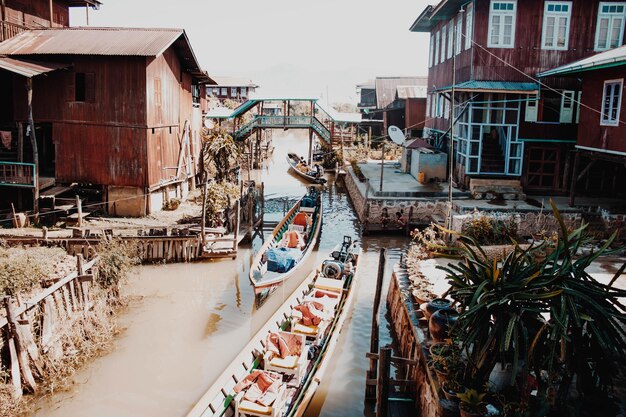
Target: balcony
(9, 30)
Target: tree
(220, 149)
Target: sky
(321, 47)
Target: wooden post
(382, 385)
(203, 219)
(382, 166)
(22, 356)
(86, 14)
(262, 201)
(370, 390)
(79, 208)
(51, 13)
(369, 141)
(236, 228)
(33, 142)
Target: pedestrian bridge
(327, 123)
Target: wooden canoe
(292, 160)
(263, 279)
(220, 399)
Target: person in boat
(302, 166)
(303, 219)
(319, 171)
(292, 239)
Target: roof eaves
(425, 15)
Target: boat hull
(292, 160)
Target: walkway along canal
(186, 322)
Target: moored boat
(311, 174)
(290, 244)
(278, 371)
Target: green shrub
(116, 259)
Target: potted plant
(451, 389)
(471, 403)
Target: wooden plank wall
(36, 13)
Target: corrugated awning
(611, 58)
(28, 69)
(492, 87)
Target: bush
(116, 259)
(21, 270)
(219, 195)
(490, 230)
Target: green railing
(283, 121)
(17, 174)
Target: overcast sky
(299, 46)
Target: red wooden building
(118, 109)
(600, 158)
(16, 16)
(507, 126)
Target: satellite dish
(396, 135)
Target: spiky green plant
(547, 316)
(472, 401)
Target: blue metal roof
(492, 86)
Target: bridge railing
(17, 174)
(283, 121)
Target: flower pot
(441, 322)
(448, 393)
(439, 349)
(434, 305)
(441, 376)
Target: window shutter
(567, 106)
(70, 91)
(531, 109)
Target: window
(81, 87)
(158, 96)
(440, 104)
(556, 20)
(531, 109)
(611, 102)
(432, 50)
(233, 91)
(444, 31)
(244, 92)
(446, 109)
(458, 42)
(551, 106)
(195, 95)
(502, 24)
(450, 39)
(433, 103)
(437, 35)
(428, 105)
(224, 91)
(469, 25)
(610, 26)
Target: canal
(186, 322)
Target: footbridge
(329, 125)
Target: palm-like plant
(551, 316)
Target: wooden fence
(30, 330)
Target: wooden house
(115, 109)
(484, 57)
(600, 157)
(232, 88)
(17, 16)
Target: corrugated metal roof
(492, 86)
(234, 82)
(91, 41)
(432, 15)
(411, 91)
(386, 88)
(417, 143)
(611, 58)
(219, 112)
(28, 69)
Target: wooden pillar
(203, 219)
(310, 161)
(79, 209)
(33, 142)
(382, 165)
(51, 13)
(382, 385)
(86, 14)
(572, 190)
(370, 390)
(236, 228)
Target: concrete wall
(126, 201)
(433, 165)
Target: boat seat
(293, 365)
(246, 408)
(329, 284)
(307, 209)
(296, 227)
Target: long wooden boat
(264, 273)
(310, 176)
(333, 285)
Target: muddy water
(187, 322)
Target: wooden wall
(415, 113)
(590, 133)
(36, 13)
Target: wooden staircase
(492, 159)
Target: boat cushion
(290, 362)
(308, 330)
(329, 284)
(282, 259)
(249, 406)
(302, 219)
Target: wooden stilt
(382, 394)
